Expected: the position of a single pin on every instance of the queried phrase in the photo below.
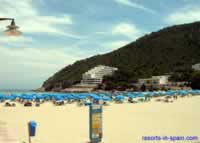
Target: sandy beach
(122, 123)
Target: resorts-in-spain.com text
(170, 138)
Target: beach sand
(122, 123)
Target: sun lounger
(158, 100)
(7, 104)
(27, 104)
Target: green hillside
(161, 52)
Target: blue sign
(95, 123)
(32, 128)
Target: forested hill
(158, 53)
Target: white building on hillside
(96, 74)
(155, 80)
(196, 67)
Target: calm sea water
(9, 91)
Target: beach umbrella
(58, 98)
(39, 97)
(95, 97)
(170, 93)
(148, 93)
(183, 92)
(16, 95)
(141, 94)
(2, 96)
(197, 91)
(45, 96)
(12, 98)
(102, 94)
(69, 97)
(78, 96)
(119, 98)
(131, 95)
(155, 93)
(85, 94)
(107, 94)
(28, 97)
(194, 92)
(105, 98)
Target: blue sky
(59, 32)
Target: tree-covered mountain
(168, 50)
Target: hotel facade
(155, 80)
(196, 67)
(96, 74)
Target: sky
(57, 33)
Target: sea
(9, 91)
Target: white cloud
(42, 24)
(115, 44)
(134, 5)
(184, 15)
(29, 18)
(14, 39)
(126, 29)
(29, 67)
(20, 8)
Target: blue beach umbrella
(170, 93)
(27, 97)
(141, 94)
(102, 94)
(69, 97)
(131, 95)
(119, 98)
(45, 96)
(80, 96)
(107, 94)
(12, 98)
(2, 96)
(95, 97)
(59, 98)
(148, 93)
(39, 97)
(183, 92)
(194, 92)
(155, 93)
(16, 95)
(105, 98)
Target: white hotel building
(196, 67)
(155, 80)
(96, 74)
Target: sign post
(95, 123)
(31, 130)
